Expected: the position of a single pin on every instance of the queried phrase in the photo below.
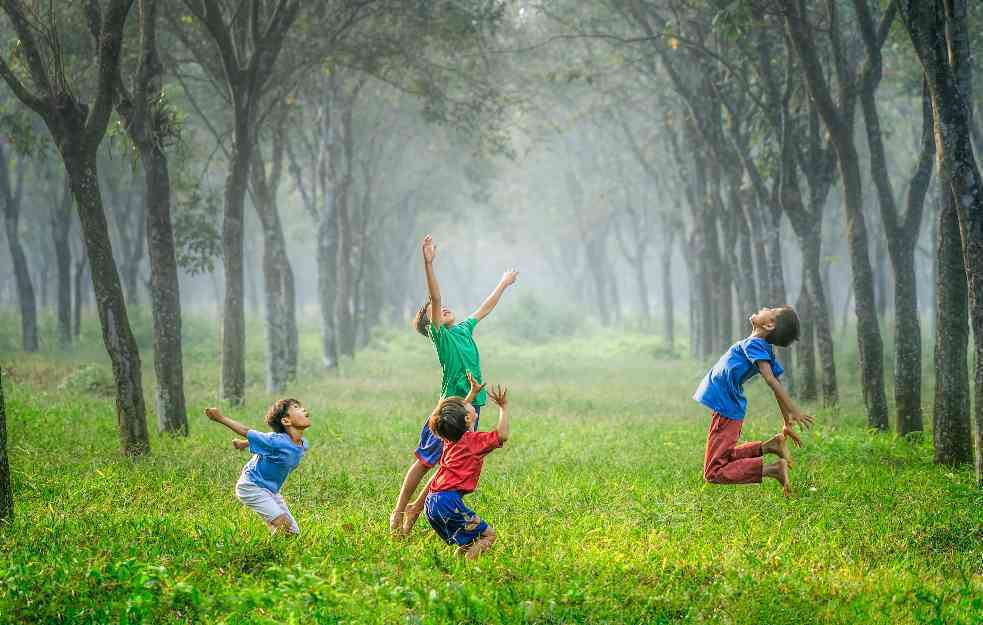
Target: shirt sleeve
(486, 442)
(260, 442)
(469, 324)
(757, 349)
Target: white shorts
(265, 503)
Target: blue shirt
(275, 455)
(722, 390)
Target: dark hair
(449, 419)
(276, 413)
(422, 319)
(786, 329)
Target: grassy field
(598, 501)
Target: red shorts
(726, 462)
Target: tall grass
(598, 501)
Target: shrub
(91, 379)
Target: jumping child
(722, 391)
(275, 455)
(460, 467)
(458, 356)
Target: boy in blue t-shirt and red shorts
(722, 391)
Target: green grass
(598, 501)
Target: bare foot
(409, 518)
(778, 445)
(782, 470)
(395, 521)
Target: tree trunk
(327, 273)
(952, 438)
(61, 222)
(805, 357)
(11, 197)
(165, 296)
(276, 268)
(116, 333)
(6, 492)
(233, 313)
(668, 311)
(813, 279)
(81, 265)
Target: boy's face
(297, 417)
(446, 317)
(764, 319)
(472, 416)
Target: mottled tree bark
(668, 308)
(11, 196)
(952, 438)
(805, 353)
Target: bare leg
(778, 470)
(779, 446)
(478, 547)
(413, 476)
(412, 513)
(283, 525)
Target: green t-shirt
(458, 354)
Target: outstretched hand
(240, 444)
(509, 277)
(499, 395)
(475, 387)
(429, 249)
(213, 414)
(791, 435)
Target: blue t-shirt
(722, 390)
(275, 455)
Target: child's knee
(711, 475)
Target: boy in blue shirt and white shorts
(275, 455)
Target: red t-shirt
(461, 462)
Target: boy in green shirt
(458, 356)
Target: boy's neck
(295, 434)
(758, 333)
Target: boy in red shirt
(460, 467)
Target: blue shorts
(453, 521)
(430, 447)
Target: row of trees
(245, 69)
(759, 118)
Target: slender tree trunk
(805, 357)
(233, 313)
(6, 492)
(327, 273)
(165, 296)
(81, 265)
(116, 333)
(276, 268)
(819, 311)
(668, 310)
(11, 198)
(61, 221)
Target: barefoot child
(458, 356)
(722, 391)
(275, 455)
(460, 467)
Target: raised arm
(218, 417)
(790, 412)
(508, 279)
(499, 395)
(475, 388)
(429, 253)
